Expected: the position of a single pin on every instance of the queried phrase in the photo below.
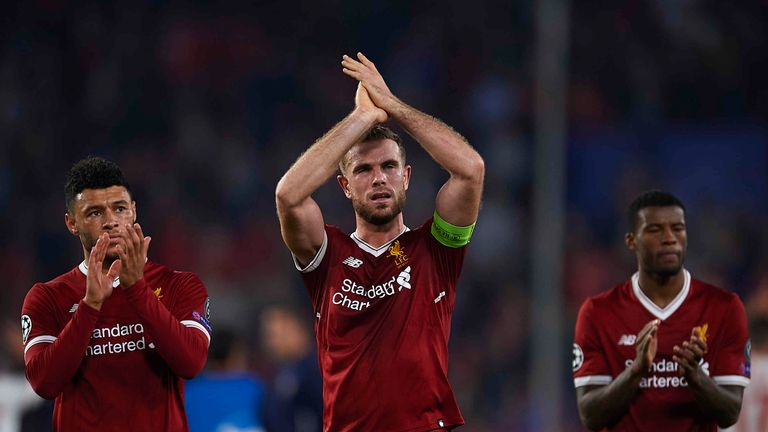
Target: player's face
(660, 240)
(375, 181)
(97, 211)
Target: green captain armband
(450, 235)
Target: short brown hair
(376, 133)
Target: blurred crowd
(205, 105)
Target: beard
(665, 270)
(380, 215)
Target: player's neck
(377, 235)
(661, 289)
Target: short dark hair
(652, 198)
(92, 173)
(377, 132)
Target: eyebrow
(100, 206)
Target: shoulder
(160, 272)
(70, 278)
(713, 293)
(610, 298)
(335, 234)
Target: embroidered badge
(398, 253)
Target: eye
(121, 209)
(94, 213)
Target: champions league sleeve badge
(578, 357)
(26, 328)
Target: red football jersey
(604, 346)
(119, 368)
(383, 322)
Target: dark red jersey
(604, 346)
(383, 322)
(119, 368)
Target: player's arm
(458, 201)
(721, 402)
(51, 361)
(183, 348)
(602, 406)
(301, 221)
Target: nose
(378, 177)
(669, 236)
(110, 220)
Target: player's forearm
(50, 366)
(603, 406)
(446, 146)
(320, 161)
(183, 348)
(722, 403)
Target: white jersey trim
(37, 340)
(592, 380)
(736, 380)
(672, 307)
(315, 263)
(372, 250)
(84, 269)
(197, 325)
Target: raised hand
(689, 355)
(132, 251)
(364, 103)
(98, 286)
(365, 71)
(646, 345)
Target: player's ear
(344, 183)
(406, 176)
(629, 240)
(69, 221)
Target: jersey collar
(655, 310)
(372, 250)
(84, 270)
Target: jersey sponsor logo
(117, 331)
(663, 374)
(26, 328)
(578, 357)
(158, 292)
(352, 262)
(386, 289)
(627, 339)
(199, 318)
(396, 251)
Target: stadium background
(206, 104)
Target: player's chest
(117, 306)
(622, 329)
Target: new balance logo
(627, 340)
(73, 308)
(353, 262)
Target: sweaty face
(375, 180)
(96, 211)
(660, 240)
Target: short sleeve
(590, 366)
(38, 318)
(192, 306)
(732, 365)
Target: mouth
(380, 196)
(668, 256)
